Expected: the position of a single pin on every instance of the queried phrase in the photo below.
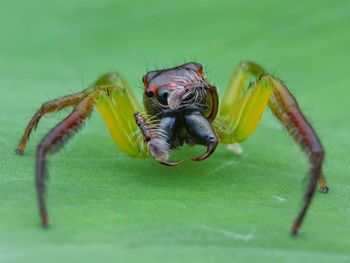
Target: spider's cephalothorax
(181, 106)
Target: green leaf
(107, 207)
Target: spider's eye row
(149, 93)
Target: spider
(181, 107)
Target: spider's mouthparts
(210, 149)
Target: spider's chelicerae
(181, 106)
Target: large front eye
(149, 93)
(163, 94)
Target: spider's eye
(163, 94)
(149, 93)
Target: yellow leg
(249, 111)
(235, 89)
(117, 106)
(241, 112)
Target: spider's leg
(233, 102)
(52, 142)
(47, 107)
(238, 122)
(235, 90)
(116, 103)
(242, 121)
(286, 109)
(117, 106)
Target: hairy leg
(52, 142)
(115, 101)
(116, 104)
(286, 109)
(47, 107)
(242, 118)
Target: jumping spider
(181, 107)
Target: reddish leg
(52, 142)
(50, 106)
(242, 109)
(286, 109)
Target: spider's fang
(210, 149)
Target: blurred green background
(106, 206)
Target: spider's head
(177, 89)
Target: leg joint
(251, 68)
(317, 156)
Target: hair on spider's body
(180, 107)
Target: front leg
(158, 137)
